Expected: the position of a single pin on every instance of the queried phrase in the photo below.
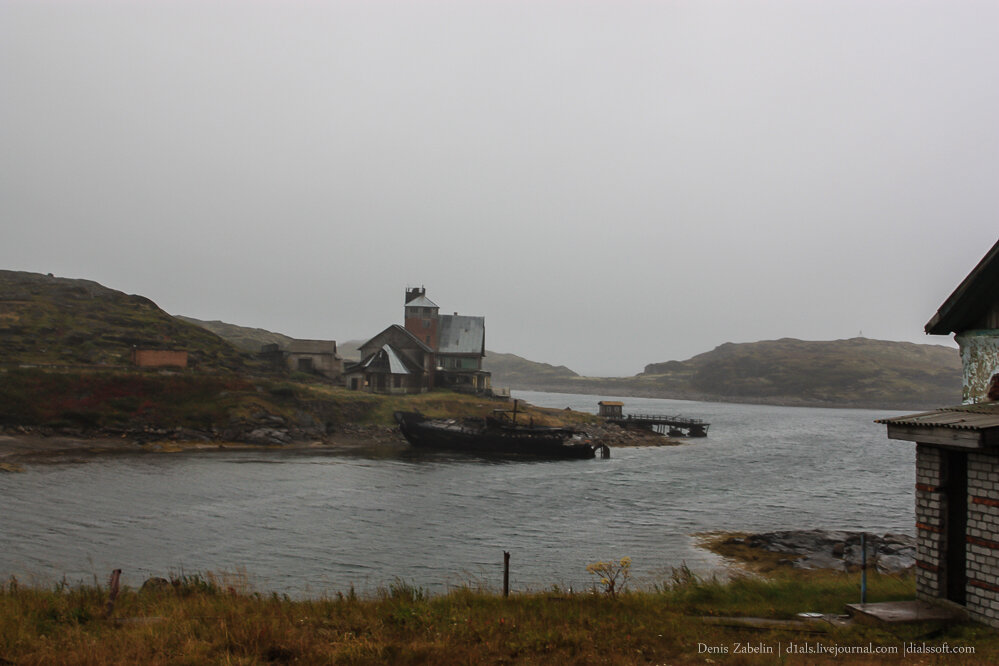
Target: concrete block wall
(930, 515)
(983, 538)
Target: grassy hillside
(252, 339)
(218, 407)
(510, 370)
(50, 320)
(242, 337)
(854, 371)
(65, 363)
(858, 372)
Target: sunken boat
(496, 435)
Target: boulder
(268, 436)
(155, 585)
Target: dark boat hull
(491, 439)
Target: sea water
(320, 521)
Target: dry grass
(204, 620)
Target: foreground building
(957, 458)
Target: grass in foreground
(198, 620)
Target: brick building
(957, 458)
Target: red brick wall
(415, 326)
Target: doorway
(955, 474)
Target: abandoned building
(430, 350)
(394, 361)
(957, 458)
(318, 357)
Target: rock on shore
(614, 435)
(834, 549)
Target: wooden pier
(674, 426)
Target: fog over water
(610, 184)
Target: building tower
(421, 317)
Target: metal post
(506, 574)
(863, 568)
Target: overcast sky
(609, 183)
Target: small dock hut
(674, 426)
(610, 408)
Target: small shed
(159, 358)
(610, 408)
(957, 458)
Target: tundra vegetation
(217, 619)
(220, 406)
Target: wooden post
(506, 574)
(112, 592)
(863, 568)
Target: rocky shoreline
(41, 444)
(836, 550)
(32, 446)
(614, 435)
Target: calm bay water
(318, 521)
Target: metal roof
(458, 334)
(402, 331)
(397, 366)
(387, 354)
(421, 302)
(981, 416)
(312, 347)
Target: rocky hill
(858, 372)
(242, 337)
(510, 370)
(252, 339)
(60, 321)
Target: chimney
(415, 292)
